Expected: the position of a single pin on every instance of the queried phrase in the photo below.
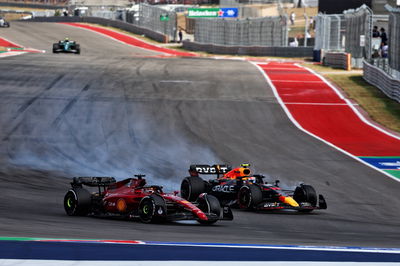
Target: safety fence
(329, 32)
(394, 40)
(359, 34)
(107, 22)
(156, 19)
(38, 13)
(146, 16)
(376, 76)
(266, 31)
(350, 32)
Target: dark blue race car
(66, 46)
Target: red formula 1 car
(238, 187)
(131, 198)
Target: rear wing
(205, 169)
(92, 181)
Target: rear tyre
(152, 209)
(249, 196)
(209, 204)
(77, 202)
(56, 47)
(78, 49)
(306, 193)
(192, 187)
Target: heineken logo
(212, 12)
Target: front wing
(225, 215)
(304, 206)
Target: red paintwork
(6, 43)
(322, 112)
(132, 191)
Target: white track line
(315, 136)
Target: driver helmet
(66, 39)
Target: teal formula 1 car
(66, 46)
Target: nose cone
(290, 201)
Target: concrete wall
(250, 50)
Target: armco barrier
(337, 60)
(250, 50)
(382, 80)
(109, 23)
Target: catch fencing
(350, 32)
(156, 19)
(359, 34)
(384, 73)
(266, 31)
(330, 32)
(394, 40)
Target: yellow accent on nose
(291, 202)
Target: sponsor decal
(271, 204)
(215, 169)
(225, 189)
(121, 205)
(213, 12)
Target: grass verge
(372, 100)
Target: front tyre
(152, 209)
(78, 49)
(306, 193)
(209, 204)
(77, 202)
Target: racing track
(118, 110)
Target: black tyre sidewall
(70, 196)
(209, 204)
(147, 210)
(81, 202)
(192, 187)
(249, 196)
(306, 193)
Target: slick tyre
(152, 209)
(306, 193)
(56, 47)
(249, 197)
(209, 204)
(77, 202)
(78, 49)
(192, 187)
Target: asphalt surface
(115, 110)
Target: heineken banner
(231, 12)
